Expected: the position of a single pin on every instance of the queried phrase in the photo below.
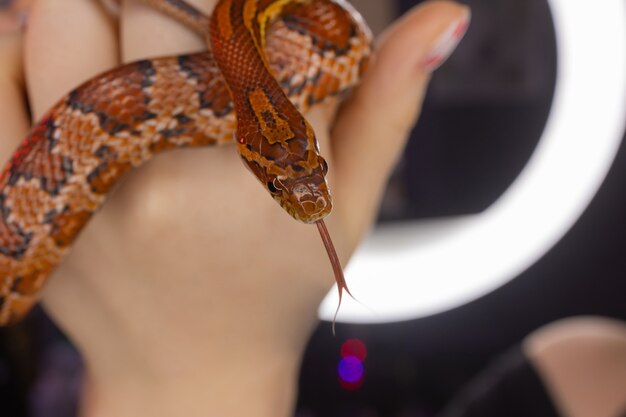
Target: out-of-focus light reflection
(351, 368)
(416, 269)
(354, 347)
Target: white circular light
(424, 267)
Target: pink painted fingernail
(113, 7)
(446, 44)
(22, 18)
(11, 23)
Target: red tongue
(334, 260)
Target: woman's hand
(191, 257)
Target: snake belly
(71, 159)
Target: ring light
(420, 268)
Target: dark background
(482, 119)
(483, 116)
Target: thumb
(373, 125)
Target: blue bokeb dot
(350, 369)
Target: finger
(147, 32)
(67, 42)
(112, 7)
(373, 125)
(13, 112)
(13, 15)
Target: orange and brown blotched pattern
(61, 174)
(329, 47)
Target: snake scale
(267, 62)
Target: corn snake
(268, 61)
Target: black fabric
(510, 387)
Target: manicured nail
(14, 22)
(113, 7)
(22, 18)
(446, 44)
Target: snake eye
(324, 165)
(272, 187)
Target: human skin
(192, 293)
(582, 362)
(12, 14)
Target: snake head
(301, 191)
(306, 198)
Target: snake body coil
(262, 51)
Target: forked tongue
(334, 260)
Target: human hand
(190, 246)
(13, 15)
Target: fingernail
(446, 44)
(22, 18)
(13, 23)
(113, 7)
